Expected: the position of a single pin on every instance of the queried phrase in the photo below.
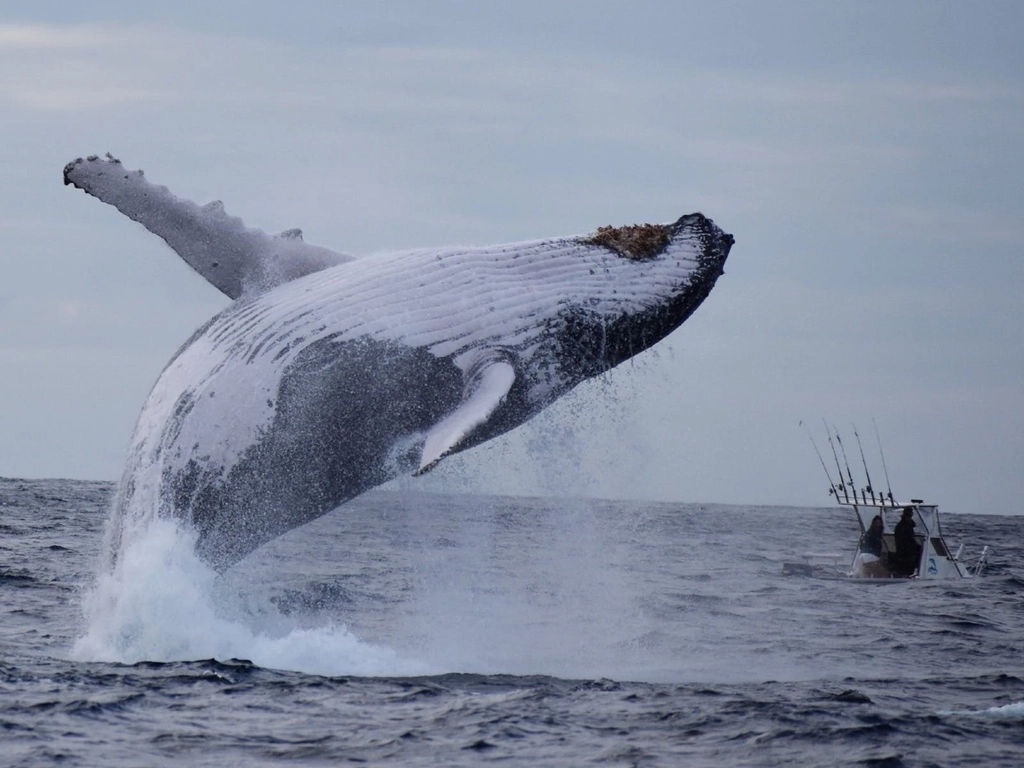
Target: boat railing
(982, 561)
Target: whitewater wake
(1013, 711)
(161, 603)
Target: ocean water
(443, 630)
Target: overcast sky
(868, 157)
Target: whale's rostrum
(330, 375)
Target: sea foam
(161, 603)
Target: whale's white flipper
(486, 389)
(234, 258)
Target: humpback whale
(329, 375)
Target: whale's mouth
(638, 242)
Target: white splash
(160, 603)
(1016, 709)
(1010, 711)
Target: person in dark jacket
(908, 551)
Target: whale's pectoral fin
(234, 258)
(486, 389)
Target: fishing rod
(836, 457)
(865, 463)
(846, 461)
(882, 454)
(831, 485)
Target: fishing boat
(930, 558)
(912, 548)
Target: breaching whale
(329, 375)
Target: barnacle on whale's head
(635, 241)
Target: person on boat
(869, 561)
(908, 551)
(871, 543)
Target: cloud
(75, 68)
(49, 38)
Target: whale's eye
(636, 241)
